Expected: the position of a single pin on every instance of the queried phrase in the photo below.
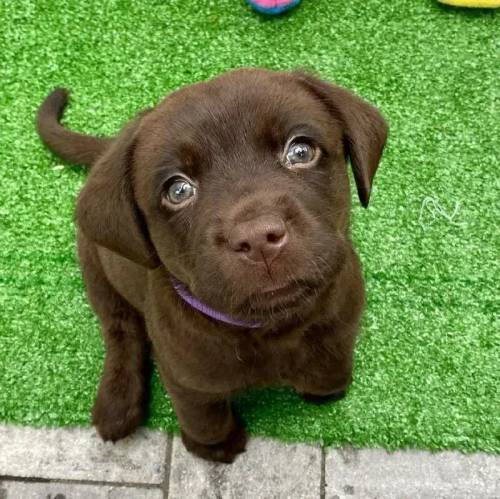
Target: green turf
(427, 371)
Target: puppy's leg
(329, 371)
(122, 396)
(208, 426)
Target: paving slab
(54, 490)
(75, 463)
(268, 469)
(374, 473)
(80, 454)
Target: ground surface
(427, 364)
(76, 464)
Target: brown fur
(228, 135)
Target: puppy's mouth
(284, 298)
(278, 292)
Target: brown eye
(179, 190)
(300, 152)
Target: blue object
(278, 9)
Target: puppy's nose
(260, 239)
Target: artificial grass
(427, 370)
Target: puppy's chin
(269, 305)
(283, 302)
(278, 315)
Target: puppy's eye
(300, 152)
(178, 191)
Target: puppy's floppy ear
(365, 130)
(106, 209)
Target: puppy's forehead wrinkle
(229, 113)
(232, 131)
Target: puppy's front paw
(223, 452)
(323, 399)
(118, 409)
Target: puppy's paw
(118, 410)
(223, 452)
(323, 399)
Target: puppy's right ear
(106, 210)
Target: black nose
(260, 239)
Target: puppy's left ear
(365, 130)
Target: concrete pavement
(76, 464)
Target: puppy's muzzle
(259, 240)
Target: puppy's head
(239, 187)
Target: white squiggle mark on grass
(431, 206)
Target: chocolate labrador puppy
(216, 227)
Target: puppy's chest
(270, 361)
(253, 363)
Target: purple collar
(184, 293)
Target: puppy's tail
(70, 146)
